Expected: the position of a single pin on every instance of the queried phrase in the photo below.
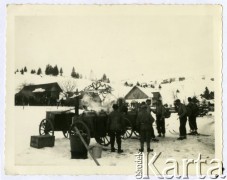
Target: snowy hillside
(184, 89)
(191, 86)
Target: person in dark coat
(115, 127)
(160, 118)
(192, 111)
(122, 106)
(144, 123)
(182, 112)
(148, 102)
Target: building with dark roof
(141, 94)
(39, 94)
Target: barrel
(78, 150)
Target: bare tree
(68, 86)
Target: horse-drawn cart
(90, 124)
(56, 121)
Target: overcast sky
(120, 44)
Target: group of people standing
(190, 111)
(145, 120)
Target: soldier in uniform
(122, 106)
(115, 127)
(160, 118)
(148, 102)
(192, 110)
(182, 112)
(144, 123)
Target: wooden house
(39, 94)
(141, 94)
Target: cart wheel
(136, 133)
(104, 141)
(82, 127)
(128, 129)
(46, 127)
(66, 134)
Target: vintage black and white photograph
(92, 87)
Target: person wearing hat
(115, 126)
(192, 110)
(160, 118)
(148, 102)
(122, 106)
(144, 123)
(182, 113)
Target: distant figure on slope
(182, 112)
(115, 127)
(148, 102)
(192, 111)
(144, 123)
(160, 118)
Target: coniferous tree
(47, 70)
(194, 99)
(39, 71)
(22, 71)
(207, 94)
(61, 71)
(73, 73)
(104, 78)
(32, 71)
(25, 69)
(55, 71)
(212, 95)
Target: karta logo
(147, 164)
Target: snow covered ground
(27, 124)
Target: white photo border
(3, 5)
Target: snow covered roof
(142, 93)
(148, 91)
(42, 87)
(39, 90)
